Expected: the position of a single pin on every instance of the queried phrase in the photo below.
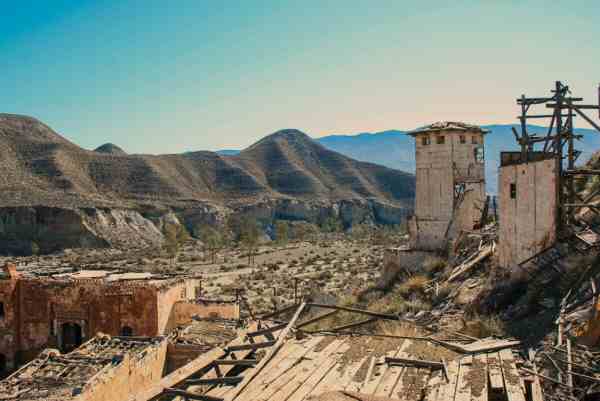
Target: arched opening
(126, 331)
(71, 336)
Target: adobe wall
(133, 375)
(183, 311)
(37, 308)
(8, 323)
(168, 297)
(527, 221)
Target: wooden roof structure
(281, 362)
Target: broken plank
(495, 372)
(311, 373)
(463, 385)
(331, 381)
(512, 382)
(317, 318)
(392, 374)
(479, 378)
(448, 390)
(225, 380)
(268, 330)
(270, 354)
(414, 362)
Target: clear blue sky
(154, 76)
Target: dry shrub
(415, 284)
(434, 264)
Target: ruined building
(450, 191)
(64, 310)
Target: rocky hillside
(285, 175)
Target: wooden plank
(311, 373)
(228, 380)
(479, 378)
(414, 362)
(270, 354)
(350, 383)
(370, 382)
(434, 386)
(331, 381)
(511, 376)
(268, 330)
(495, 372)
(354, 310)
(236, 362)
(448, 389)
(189, 396)
(391, 376)
(463, 386)
(288, 356)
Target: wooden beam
(225, 380)
(267, 330)
(242, 347)
(346, 326)
(414, 362)
(316, 319)
(267, 358)
(574, 106)
(189, 396)
(359, 311)
(236, 362)
(589, 120)
(278, 312)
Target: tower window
(441, 139)
(474, 140)
(513, 191)
(1, 310)
(463, 139)
(479, 154)
(425, 140)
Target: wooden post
(569, 364)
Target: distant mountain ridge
(40, 167)
(395, 149)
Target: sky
(164, 77)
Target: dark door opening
(71, 336)
(126, 331)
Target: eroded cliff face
(30, 230)
(41, 229)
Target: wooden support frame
(359, 311)
(217, 381)
(253, 346)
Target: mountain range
(41, 167)
(395, 149)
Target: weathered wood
(189, 396)
(267, 330)
(271, 353)
(282, 364)
(463, 387)
(278, 312)
(224, 380)
(569, 364)
(480, 346)
(495, 372)
(465, 267)
(311, 373)
(346, 326)
(448, 390)
(479, 371)
(354, 310)
(331, 381)
(511, 376)
(392, 374)
(253, 346)
(414, 362)
(236, 362)
(316, 319)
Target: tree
(175, 236)
(281, 232)
(212, 239)
(331, 225)
(249, 237)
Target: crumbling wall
(183, 311)
(168, 297)
(528, 202)
(134, 374)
